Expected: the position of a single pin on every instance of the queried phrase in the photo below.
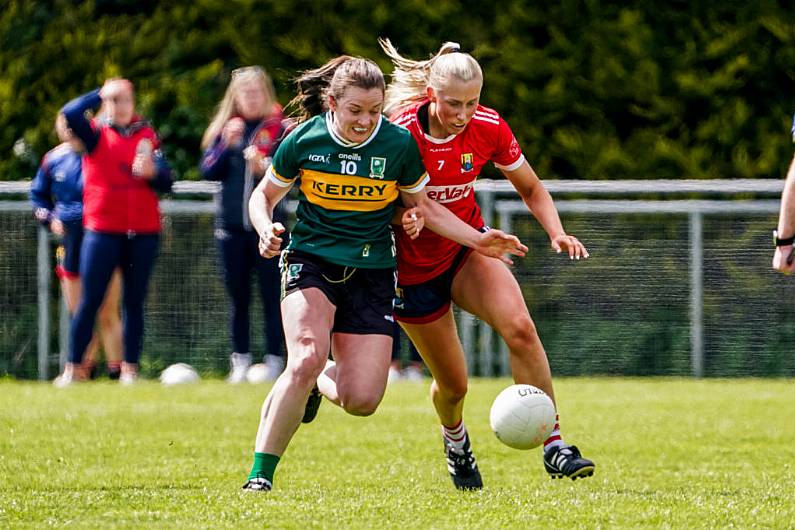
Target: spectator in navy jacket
(237, 147)
(57, 196)
(123, 168)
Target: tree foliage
(593, 89)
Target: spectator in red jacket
(123, 168)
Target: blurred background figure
(57, 196)
(412, 369)
(238, 145)
(123, 168)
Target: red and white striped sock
(455, 436)
(555, 439)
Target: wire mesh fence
(627, 310)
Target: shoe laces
(260, 483)
(565, 456)
(461, 460)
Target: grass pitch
(670, 453)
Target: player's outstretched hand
(496, 244)
(270, 243)
(413, 222)
(783, 259)
(571, 245)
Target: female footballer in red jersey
(438, 101)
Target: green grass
(671, 453)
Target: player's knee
(360, 408)
(452, 390)
(521, 334)
(304, 366)
(360, 405)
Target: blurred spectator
(237, 145)
(57, 197)
(123, 168)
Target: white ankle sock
(455, 436)
(555, 438)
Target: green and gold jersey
(347, 192)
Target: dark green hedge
(593, 89)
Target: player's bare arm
(493, 243)
(260, 208)
(540, 203)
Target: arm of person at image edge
(782, 259)
(157, 170)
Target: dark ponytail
(315, 86)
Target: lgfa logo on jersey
(326, 159)
(467, 162)
(377, 167)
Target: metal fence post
(43, 268)
(696, 294)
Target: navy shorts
(68, 254)
(363, 297)
(426, 302)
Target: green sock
(264, 466)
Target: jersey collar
(434, 140)
(342, 141)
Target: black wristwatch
(782, 241)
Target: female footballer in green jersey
(338, 272)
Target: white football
(179, 374)
(522, 416)
(258, 374)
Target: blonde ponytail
(410, 78)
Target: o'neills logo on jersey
(446, 194)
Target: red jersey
(453, 164)
(114, 201)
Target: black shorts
(68, 254)
(363, 297)
(426, 302)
